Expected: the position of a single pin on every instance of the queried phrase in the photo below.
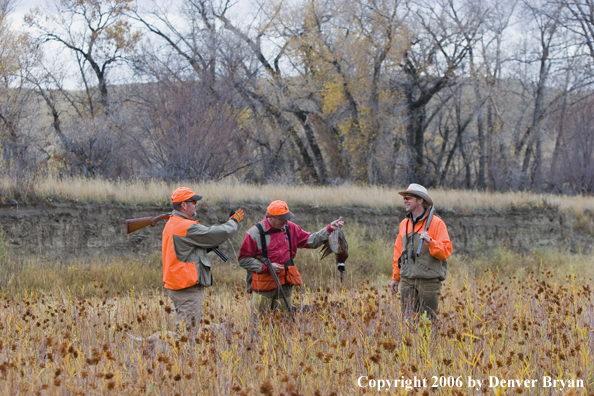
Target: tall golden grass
(158, 192)
(489, 325)
(65, 326)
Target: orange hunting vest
(177, 274)
(290, 275)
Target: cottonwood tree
(539, 56)
(576, 152)
(184, 39)
(17, 58)
(439, 37)
(98, 36)
(486, 56)
(262, 82)
(349, 58)
(190, 117)
(575, 16)
(574, 80)
(325, 81)
(95, 32)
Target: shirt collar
(181, 214)
(420, 218)
(267, 225)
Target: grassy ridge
(157, 192)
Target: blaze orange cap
(280, 209)
(182, 194)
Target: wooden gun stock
(136, 224)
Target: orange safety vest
(433, 255)
(264, 281)
(177, 274)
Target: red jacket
(278, 251)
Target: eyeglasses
(407, 198)
(192, 202)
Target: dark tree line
(453, 93)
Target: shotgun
(426, 228)
(137, 224)
(275, 277)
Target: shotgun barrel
(426, 228)
(133, 225)
(275, 277)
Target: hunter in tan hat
(420, 253)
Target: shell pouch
(292, 274)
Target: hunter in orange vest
(186, 267)
(281, 239)
(420, 254)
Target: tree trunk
(318, 159)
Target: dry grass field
(491, 328)
(65, 326)
(158, 192)
(518, 324)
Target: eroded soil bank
(71, 228)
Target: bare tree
(188, 135)
(577, 150)
(439, 44)
(576, 16)
(195, 42)
(17, 58)
(97, 34)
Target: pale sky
(21, 7)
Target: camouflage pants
(272, 300)
(188, 305)
(420, 295)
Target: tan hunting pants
(420, 295)
(188, 305)
(272, 300)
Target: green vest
(425, 266)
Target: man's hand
(236, 215)
(425, 236)
(394, 286)
(277, 267)
(336, 223)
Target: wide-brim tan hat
(418, 191)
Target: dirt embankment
(58, 229)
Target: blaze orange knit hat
(280, 209)
(182, 194)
